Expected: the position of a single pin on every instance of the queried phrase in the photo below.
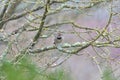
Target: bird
(58, 40)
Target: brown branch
(25, 13)
(11, 9)
(75, 45)
(4, 9)
(42, 23)
(90, 43)
(9, 12)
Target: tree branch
(42, 23)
